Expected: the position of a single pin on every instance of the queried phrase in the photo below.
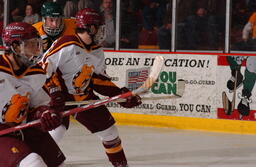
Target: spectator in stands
(36, 5)
(70, 9)
(164, 32)
(201, 30)
(129, 27)
(153, 14)
(17, 8)
(30, 16)
(16, 15)
(107, 12)
(86, 4)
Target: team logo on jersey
(53, 82)
(14, 150)
(82, 79)
(16, 109)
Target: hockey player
(51, 28)
(23, 99)
(248, 80)
(53, 25)
(80, 66)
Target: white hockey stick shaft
(179, 94)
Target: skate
(244, 105)
(231, 81)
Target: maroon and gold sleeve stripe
(6, 66)
(105, 86)
(62, 42)
(5, 70)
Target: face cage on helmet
(34, 58)
(53, 31)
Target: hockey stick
(155, 70)
(179, 94)
(234, 95)
(228, 105)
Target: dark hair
(80, 30)
(32, 6)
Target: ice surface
(162, 147)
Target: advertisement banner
(198, 71)
(237, 76)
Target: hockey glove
(50, 119)
(131, 101)
(57, 102)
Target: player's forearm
(105, 86)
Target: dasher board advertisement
(198, 71)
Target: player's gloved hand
(57, 102)
(131, 101)
(37, 112)
(50, 120)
